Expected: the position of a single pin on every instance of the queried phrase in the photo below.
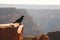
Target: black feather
(19, 20)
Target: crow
(19, 20)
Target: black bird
(19, 20)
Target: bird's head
(23, 16)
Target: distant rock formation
(54, 35)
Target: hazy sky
(29, 2)
(31, 6)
